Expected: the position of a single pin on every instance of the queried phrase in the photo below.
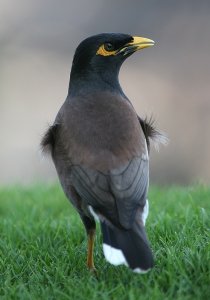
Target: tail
(128, 247)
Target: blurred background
(170, 81)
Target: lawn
(43, 248)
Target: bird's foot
(93, 271)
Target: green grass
(43, 248)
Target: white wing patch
(145, 156)
(95, 216)
(145, 212)
(114, 256)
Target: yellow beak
(141, 42)
(136, 44)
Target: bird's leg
(90, 227)
(90, 249)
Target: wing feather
(115, 195)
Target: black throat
(95, 76)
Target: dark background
(171, 80)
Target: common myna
(100, 146)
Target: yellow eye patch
(102, 51)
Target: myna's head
(103, 54)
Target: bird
(100, 149)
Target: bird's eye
(108, 46)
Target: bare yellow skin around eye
(102, 51)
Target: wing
(116, 195)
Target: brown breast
(100, 131)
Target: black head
(98, 58)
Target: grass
(43, 248)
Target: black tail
(129, 247)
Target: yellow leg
(90, 259)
